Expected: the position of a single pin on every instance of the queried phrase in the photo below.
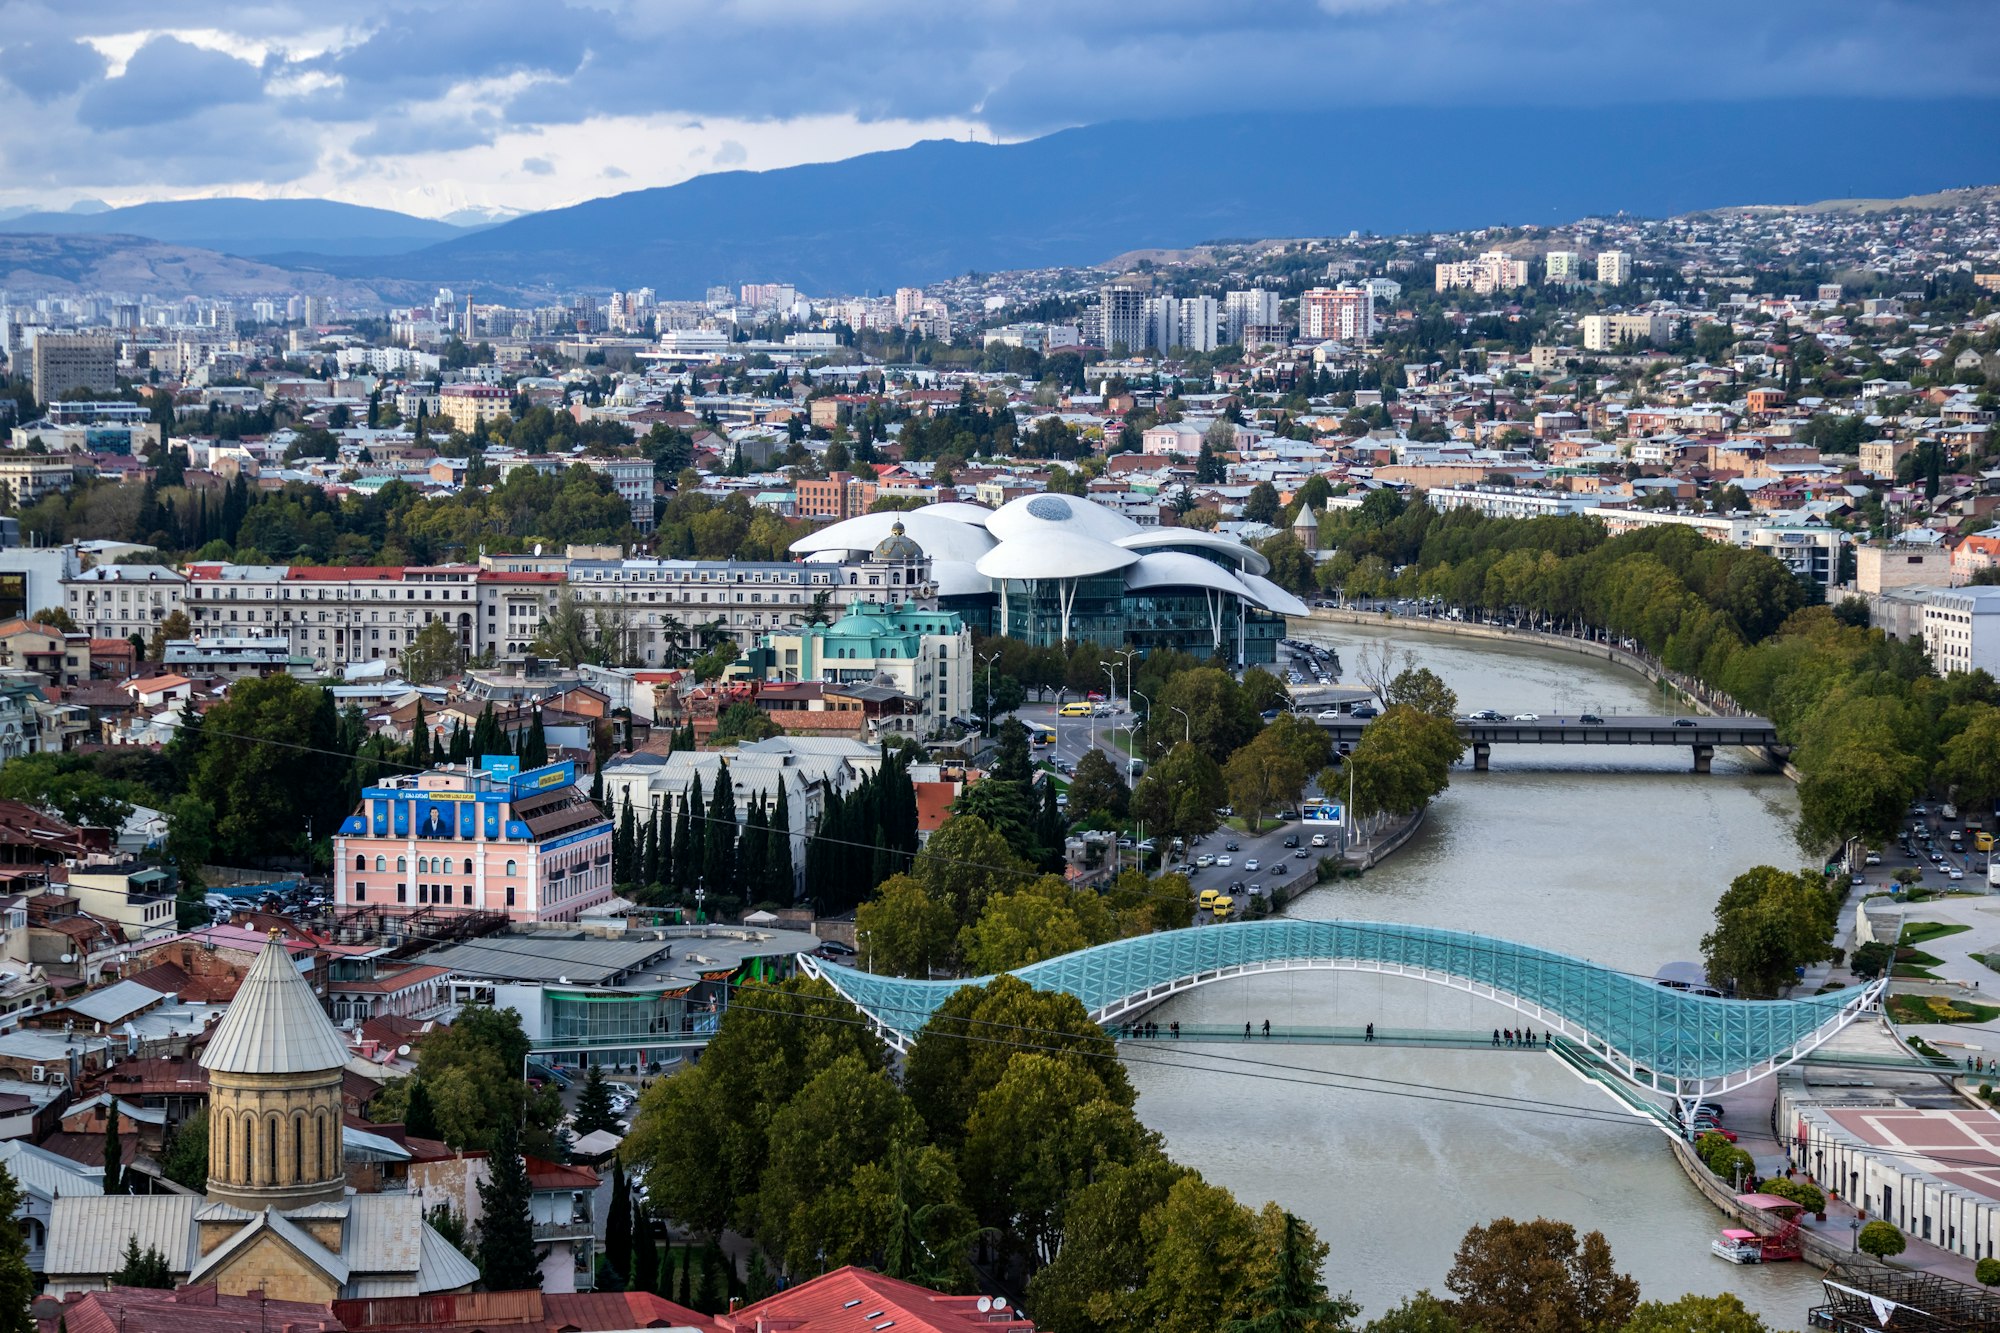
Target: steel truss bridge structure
(1650, 1037)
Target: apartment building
(1607, 333)
(659, 606)
(1240, 310)
(632, 478)
(64, 362)
(1560, 266)
(470, 406)
(837, 496)
(1493, 271)
(118, 601)
(1345, 313)
(29, 477)
(1614, 268)
(926, 655)
(1962, 629)
(1511, 501)
(1121, 317)
(335, 615)
(1809, 552)
(1193, 322)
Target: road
(1936, 873)
(1073, 741)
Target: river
(1617, 863)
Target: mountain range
(252, 228)
(942, 208)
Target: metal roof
(275, 1024)
(87, 1235)
(116, 1002)
(50, 1175)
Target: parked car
(1873, 859)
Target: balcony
(574, 1229)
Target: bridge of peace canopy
(1611, 1025)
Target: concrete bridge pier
(1481, 752)
(1704, 755)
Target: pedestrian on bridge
(1267, 1029)
(1371, 1032)
(1246, 1032)
(1496, 1036)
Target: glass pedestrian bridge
(1651, 1036)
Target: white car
(1955, 873)
(1328, 715)
(1872, 859)
(1527, 717)
(1225, 860)
(1204, 861)
(1251, 864)
(1319, 839)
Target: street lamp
(1128, 654)
(1188, 729)
(989, 659)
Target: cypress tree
(419, 1119)
(697, 827)
(622, 843)
(535, 751)
(17, 1281)
(780, 863)
(618, 1221)
(645, 1253)
(719, 844)
(750, 849)
(663, 845)
(114, 1154)
(420, 738)
(680, 1284)
(684, 835)
(716, 1274)
(507, 1258)
(649, 851)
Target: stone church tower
(274, 1067)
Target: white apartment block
(1493, 271)
(1121, 317)
(1511, 501)
(470, 406)
(1345, 313)
(632, 478)
(1614, 268)
(1607, 333)
(1240, 310)
(1809, 552)
(1192, 322)
(1962, 629)
(1561, 266)
(118, 601)
(335, 615)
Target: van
(1077, 709)
(1982, 842)
(1223, 906)
(1208, 897)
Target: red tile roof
(189, 1310)
(856, 1300)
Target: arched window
(221, 1160)
(468, 865)
(271, 1155)
(299, 1149)
(423, 865)
(360, 863)
(381, 863)
(510, 867)
(249, 1148)
(402, 863)
(326, 1168)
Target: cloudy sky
(435, 107)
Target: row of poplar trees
(698, 842)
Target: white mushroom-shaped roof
(1273, 598)
(1033, 515)
(1195, 539)
(1055, 555)
(942, 538)
(959, 511)
(959, 578)
(275, 1024)
(1178, 569)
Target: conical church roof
(275, 1024)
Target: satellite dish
(999, 1302)
(538, 548)
(69, 958)
(985, 1304)
(403, 1050)
(562, 981)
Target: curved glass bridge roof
(1666, 1039)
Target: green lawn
(1938, 1009)
(1918, 932)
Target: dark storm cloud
(168, 79)
(49, 67)
(426, 76)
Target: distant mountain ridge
(253, 228)
(941, 208)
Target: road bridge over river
(1699, 734)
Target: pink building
(530, 846)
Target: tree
(1221, 715)
(1880, 1239)
(1970, 763)
(1264, 775)
(143, 1269)
(175, 626)
(184, 1159)
(1424, 690)
(1180, 794)
(593, 1104)
(965, 862)
(1042, 919)
(1379, 663)
(618, 1222)
(1987, 1271)
(1694, 1314)
(1403, 759)
(17, 1282)
(1535, 1275)
(56, 618)
(744, 721)
(508, 1260)
(1261, 505)
(905, 930)
(432, 655)
(1871, 959)
(419, 1119)
(1097, 786)
(114, 1153)
(565, 634)
(1421, 1313)
(1768, 923)
(1295, 1300)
